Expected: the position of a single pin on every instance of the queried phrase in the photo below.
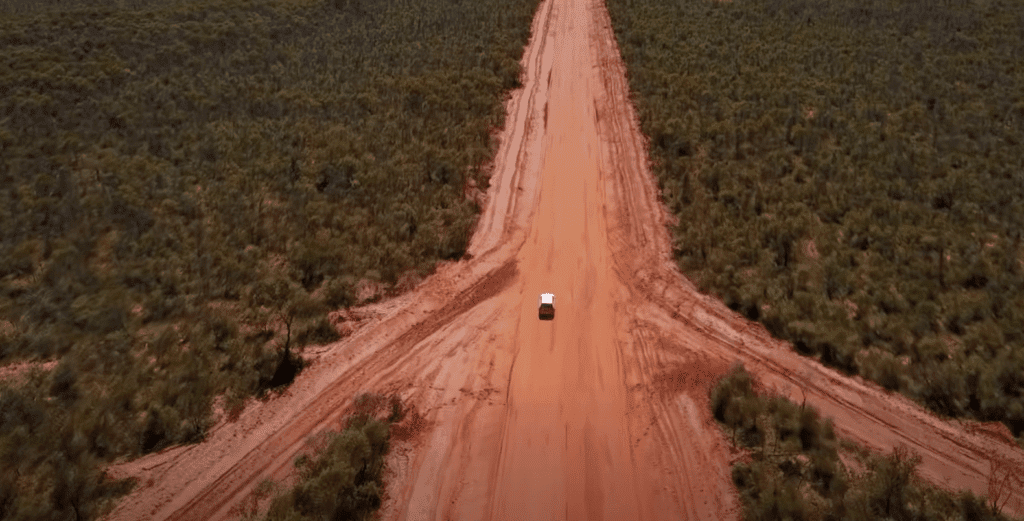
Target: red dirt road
(599, 414)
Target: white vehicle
(546, 306)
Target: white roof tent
(547, 298)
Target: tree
(890, 483)
(285, 302)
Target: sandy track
(599, 414)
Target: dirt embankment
(599, 414)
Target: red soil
(599, 414)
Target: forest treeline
(794, 470)
(851, 174)
(186, 188)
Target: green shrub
(944, 389)
(787, 418)
(734, 386)
(734, 403)
(344, 480)
(63, 382)
(974, 508)
(339, 292)
(320, 331)
(827, 474)
(882, 367)
(772, 485)
(742, 476)
(286, 365)
(779, 500)
(887, 490)
(160, 424)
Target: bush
(786, 416)
(945, 390)
(974, 508)
(734, 386)
(343, 481)
(339, 292)
(888, 488)
(734, 403)
(63, 383)
(159, 306)
(221, 327)
(827, 474)
(779, 500)
(318, 332)
(103, 312)
(160, 424)
(772, 487)
(742, 476)
(286, 366)
(882, 367)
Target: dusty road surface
(599, 414)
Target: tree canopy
(187, 187)
(851, 174)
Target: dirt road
(599, 414)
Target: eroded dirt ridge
(599, 414)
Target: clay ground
(599, 414)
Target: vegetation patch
(850, 174)
(187, 188)
(794, 470)
(343, 477)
